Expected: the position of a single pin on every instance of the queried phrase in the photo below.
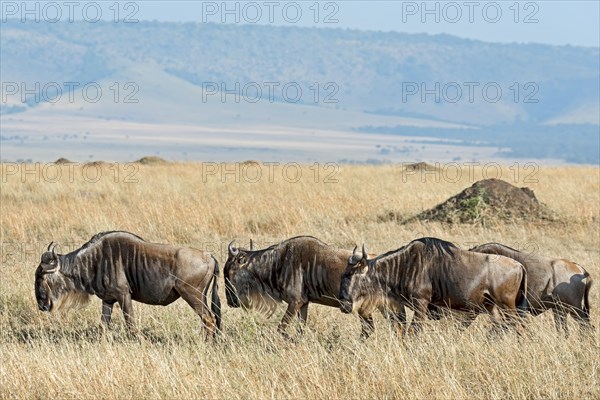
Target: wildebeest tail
(522, 304)
(215, 301)
(586, 295)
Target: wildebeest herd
(427, 276)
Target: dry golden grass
(60, 355)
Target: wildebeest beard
(63, 292)
(72, 299)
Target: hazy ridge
(365, 74)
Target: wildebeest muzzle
(231, 295)
(45, 306)
(346, 306)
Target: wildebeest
(431, 272)
(119, 267)
(298, 271)
(559, 284)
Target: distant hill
(358, 79)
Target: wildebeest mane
(273, 252)
(433, 247)
(496, 244)
(273, 246)
(436, 246)
(70, 260)
(96, 238)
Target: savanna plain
(62, 355)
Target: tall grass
(62, 355)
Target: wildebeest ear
(232, 250)
(52, 265)
(354, 258)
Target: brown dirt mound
(486, 201)
(96, 164)
(420, 166)
(250, 162)
(152, 160)
(63, 160)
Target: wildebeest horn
(251, 244)
(53, 266)
(354, 251)
(52, 248)
(232, 250)
(364, 251)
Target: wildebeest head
(52, 290)
(243, 285)
(48, 282)
(236, 276)
(350, 287)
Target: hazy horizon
(574, 23)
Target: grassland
(60, 355)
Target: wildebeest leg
(195, 299)
(107, 308)
(420, 308)
(496, 318)
(291, 312)
(514, 320)
(367, 326)
(302, 316)
(127, 307)
(560, 319)
(467, 320)
(583, 319)
(401, 324)
(435, 312)
(397, 319)
(464, 319)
